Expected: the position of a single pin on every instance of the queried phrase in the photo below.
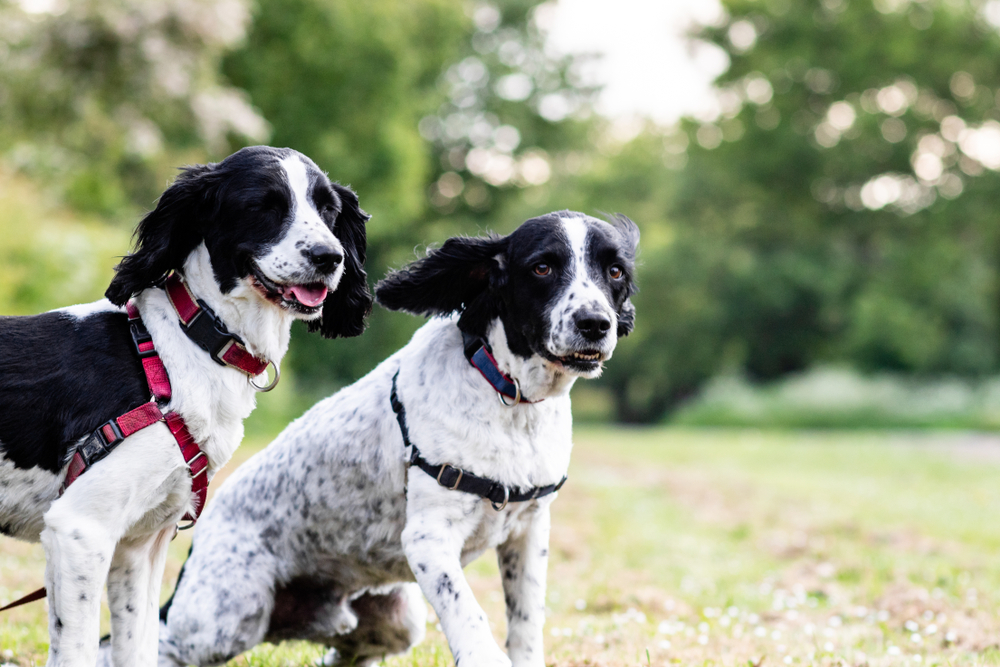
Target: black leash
(456, 479)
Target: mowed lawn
(726, 548)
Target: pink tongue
(308, 295)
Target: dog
(454, 444)
(254, 242)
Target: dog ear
(629, 232)
(345, 308)
(168, 233)
(626, 318)
(446, 280)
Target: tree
(840, 207)
(441, 114)
(105, 99)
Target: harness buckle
(98, 444)
(140, 334)
(457, 480)
(199, 455)
(209, 333)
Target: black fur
(446, 281)
(60, 378)
(629, 233)
(345, 309)
(491, 277)
(240, 207)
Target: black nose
(323, 257)
(592, 326)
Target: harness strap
(208, 331)
(196, 461)
(456, 479)
(152, 365)
(111, 433)
(106, 437)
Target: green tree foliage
(105, 99)
(842, 206)
(444, 115)
(347, 83)
(398, 98)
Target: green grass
(725, 547)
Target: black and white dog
(317, 536)
(262, 238)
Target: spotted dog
(262, 238)
(320, 536)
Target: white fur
(582, 292)
(307, 230)
(114, 523)
(84, 310)
(332, 501)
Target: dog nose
(323, 257)
(592, 326)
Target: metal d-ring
(274, 382)
(506, 497)
(517, 398)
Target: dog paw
(341, 620)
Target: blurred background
(815, 181)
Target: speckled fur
(115, 522)
(329, 521)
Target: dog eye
(542, 269)
(616, 272)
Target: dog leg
(83, 528)
(133, 596)
(388, 623)
(223, 601)
(432, 541)
(523, 562)
(78, 553)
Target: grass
(727, 547)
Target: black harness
(456, 479)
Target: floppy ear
(629, 232)
(626, 318)
(167, 235)
(446, 280)
(345, 308)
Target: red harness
(205, 329)
(111, 433)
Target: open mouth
(306, 298)
(582, 360)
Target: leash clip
(517, 397)
(274, 382)
(506, 497)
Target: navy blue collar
(479, 354)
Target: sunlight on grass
(704, 547)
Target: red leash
(30, 597)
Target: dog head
(268, 217)
(560, 284)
